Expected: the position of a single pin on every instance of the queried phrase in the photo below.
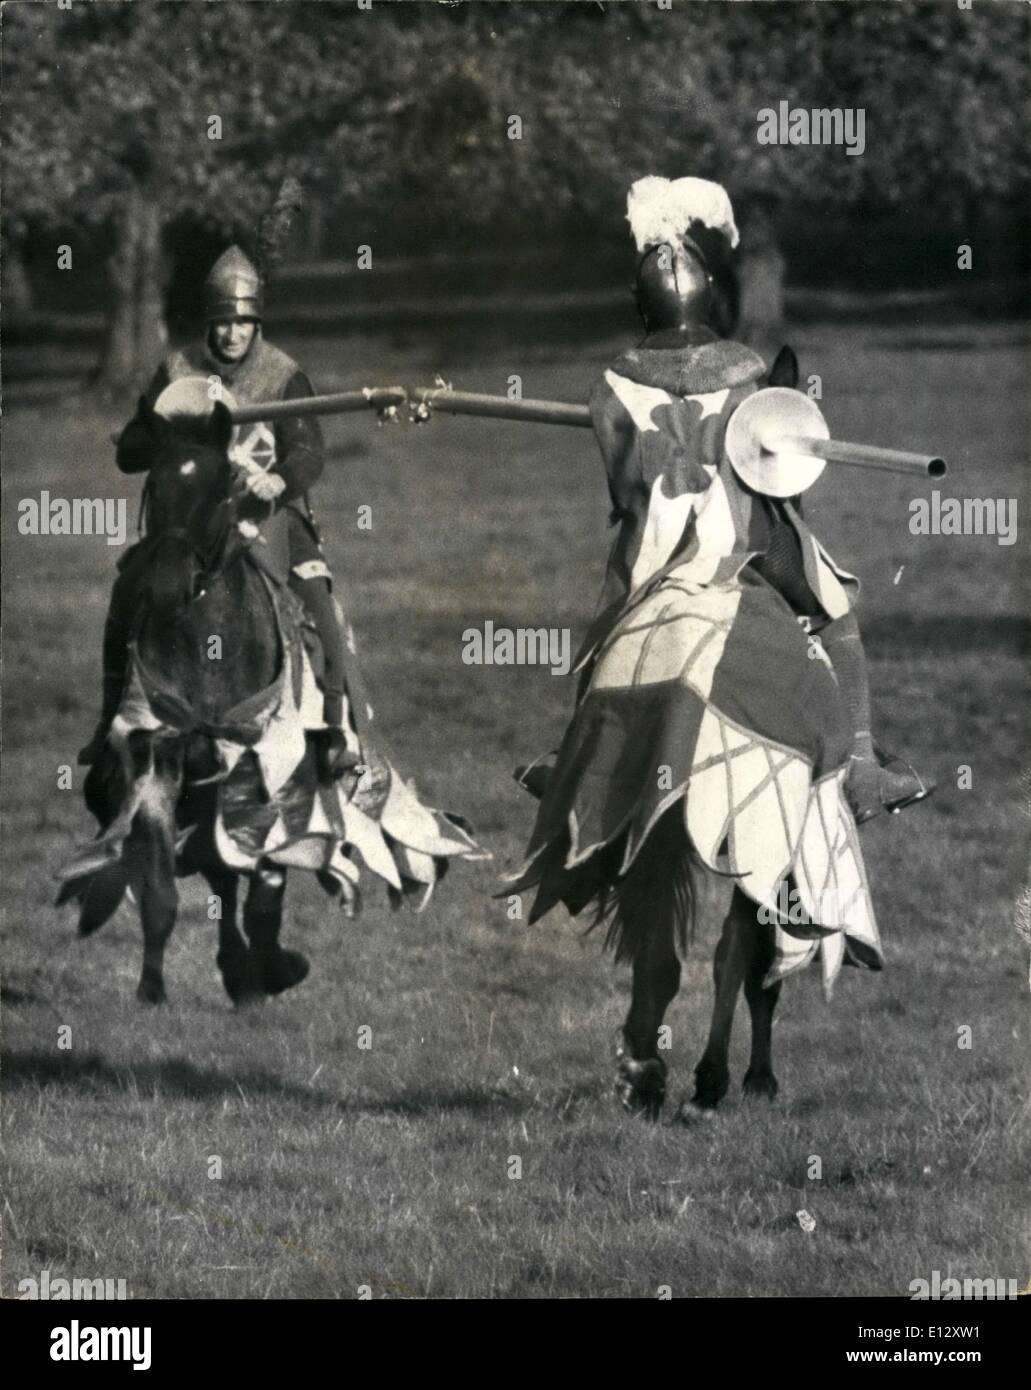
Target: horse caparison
(652, 915)
(195, 585)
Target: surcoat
(702, 685)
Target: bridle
(211, 561)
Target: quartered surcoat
(701, 682)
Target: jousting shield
(779, 443)
(188, 399)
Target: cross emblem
(253, 447)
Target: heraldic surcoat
(701, 684)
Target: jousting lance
(777, 440)
(383, 399)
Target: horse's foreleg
(150, 864)
(262, 918)
(730, 969)
(759, 1078)
(234, 960)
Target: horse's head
(189, 505)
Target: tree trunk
(135, 334)
(151, 332)
(18, 296)
(762, 284)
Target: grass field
(389, 1167)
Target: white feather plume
(661, 210)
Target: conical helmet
(233, 288)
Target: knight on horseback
(679, 301)
(280, 464)
(218, 761)
(721, 740)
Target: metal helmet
(673, 287)
(233, 288)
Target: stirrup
(919, 789)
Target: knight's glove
(265, 486)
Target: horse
(199, 594)
(654, 911)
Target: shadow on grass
(901, 635)
(176, 1079)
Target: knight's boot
(115, 651)
(90, 752)
(875, 784)
(535, 777)
(332, 755)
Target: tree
(122, 118)
(481, 120)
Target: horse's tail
(658, 893)
(98, 894)
(118, 794)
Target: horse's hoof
(761, 1084)
(246, 999)
(690, 1113)
(710, 1088)
(151, 992)
(641, 1086)
(286, 969)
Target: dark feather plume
(276, 224)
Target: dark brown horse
(208, 636)
(658, 906)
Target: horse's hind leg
(277, 969)
(150, 863)
(641, 1072)
(759, 1078)
(235, 961)
(655, 905)
(730, 969)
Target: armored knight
(681, 229)
(280, 463)
(725, 667)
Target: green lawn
(389, 1167)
